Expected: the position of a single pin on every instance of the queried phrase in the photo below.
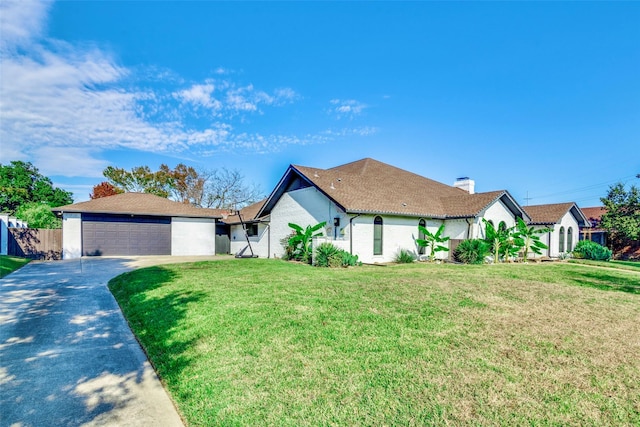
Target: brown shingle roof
(370, 186)
(248, 213)
(139, 204)
(594, 213)
(547, 214)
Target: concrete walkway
(67, 355)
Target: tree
(300, 240)
(528, 238)
(104, 189)
(502, 241)
(38, 215)
(432, 241)
(22, 183)
(187, 185)
(225, 188)
(140, 179)
(222, 189)
(622, 219)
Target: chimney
(466, 184)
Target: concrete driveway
(67, 356)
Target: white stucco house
(136, 224)
(564, 220)
(372, 209)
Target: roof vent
(466, 184)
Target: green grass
(10, 264)
(623, 265)
(265, 342)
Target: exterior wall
(193, 236)
(496, 212)
(259, 243)
(397, 233)
(306, 206)
(567, 221)
(71, 235)
(4, 234)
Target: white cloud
(62, 106)
(21, 21)
(200, 95)
(348, 108)
(70, 161)
(358, 131)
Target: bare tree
(226, 189)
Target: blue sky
(539, 98)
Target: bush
(323, 254)
(327, 255)
(586, 249)
(404, 257)
(471, 251)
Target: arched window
(569, 239)
(502, 226)
(377, 236)
(561, 240)
(421, 249)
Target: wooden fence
(35, 243)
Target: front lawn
(623, 265)
(9, 264)
(265, 342)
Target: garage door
(125, 235)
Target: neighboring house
(136, 224)
(373, 209)
(6, 222)
(594, 233)
(564, 220)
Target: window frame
(378, 241)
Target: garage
(131, 224)
(104, 235)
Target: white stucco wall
(71, 235)
(4, 234)
(496, 212)
(193, 236)
(259, 243)
(567, 221)
(304, 207)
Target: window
(502, 226)
(561, 240)
(569, 239)
(252, 229)
(421, 249)
(377, 236)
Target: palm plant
(300, 240)
(433, 241)
(528, 238)
(502, 241)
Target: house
(248, 233)
(594, 233)
(373, 209)
(6, 222)
(564, 221)
(136, 224)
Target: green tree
(22, 183)
(38, 215)
(622, 219)
(433, 241)
(300, 240)
(503, 241)
(528, 238)
(140, 179)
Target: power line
(587, 188)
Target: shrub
(471, 251)
(323, 254)
(328, 255)
(587, 249)
(404, 257)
